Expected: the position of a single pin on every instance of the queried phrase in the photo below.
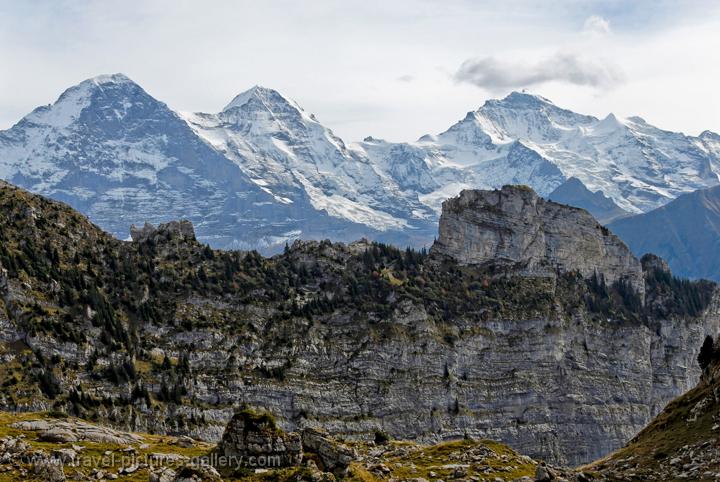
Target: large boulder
(253, 440)
(197, 473)
(543, 473)
(47, 469)
(335, 457)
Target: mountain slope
(685, 232)
(291, 155)
(574, 193)
(681, 443)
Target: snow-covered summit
(291, 156)
(260, 96)
(517, 99)
(68, 107)
(525, 138)
(104, 79)
(263, 171)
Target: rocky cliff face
(681, 443)
(515, 227)
(166, 335)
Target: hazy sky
(395, 69)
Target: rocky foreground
(681, 444)
(49, 447)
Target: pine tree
(707, 353)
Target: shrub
(381, 437)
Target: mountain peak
(259, 94)
(709, 135)
(75, 99)
(103, 79)
(609, 124)
(520, 99)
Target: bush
(56, 414)
(381, 438)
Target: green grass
(92, 451)
(422, 460)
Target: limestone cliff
(516, 228)
(166, 335)
(681, 443)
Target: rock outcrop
(253, 440)
(67, 431)
(335, 457)
(515, 228)
(181, 230)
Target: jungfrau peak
(526, 139)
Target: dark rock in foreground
(253, 436)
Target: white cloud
(596, 25)
(500, 75)
(343, 60)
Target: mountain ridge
(167, 335)
(574, 193)
(263, 172)
(685, 232)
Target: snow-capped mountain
(527, 139)
(112, 151)
(263, 171)
(291, 156)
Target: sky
(391, 69)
